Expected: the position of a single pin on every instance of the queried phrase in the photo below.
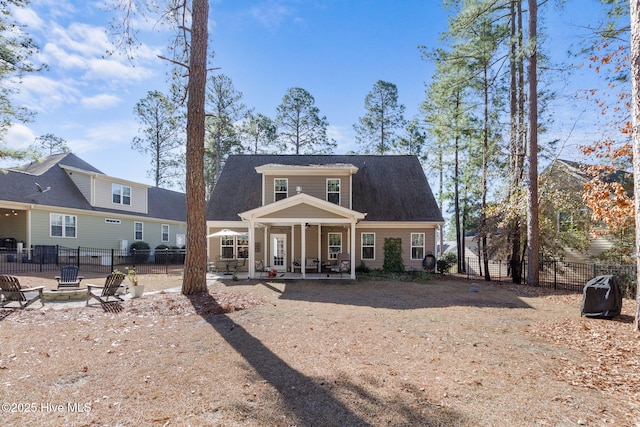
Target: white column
(303, 248)
(293, 246)
(252, 249)
(319, 247)
(353, 249)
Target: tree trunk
(635, 113)
(515, 266)
(533, 252)
(195, 268)
(485, 166)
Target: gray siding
(93, 232)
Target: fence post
(555, 274)
(113, 254)
(133, 255)
(78, 258)
(166, 260)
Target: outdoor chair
(110, 289)
(311, 264)
(343, 265)
(12, 292)
(69, 277)
(260, 268)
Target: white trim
(368, 246)
(310, 170)
(299, 199)
(399, 224)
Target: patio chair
(110, 289)
(311, 264)
(260, 268)
(12, 292)
(69, 277)
(343, 265)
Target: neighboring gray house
(67, 202)
(298, 213)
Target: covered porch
(298, 237)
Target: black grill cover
(601, 297)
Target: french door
(279, 252)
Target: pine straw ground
(448, 352)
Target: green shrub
(140, 252)
(362, 268)
(446, 261)
(393, 255)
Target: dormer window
(280, 188)
(121, 194)
(333, 190)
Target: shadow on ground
(310, 401)
(392, 295)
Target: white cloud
(111, 133)
(28, 17)
(344, 137)
(272, 13)
(39, 93)
(108, 69)
(19, 136)
(101, 101)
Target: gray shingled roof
(19, 185)
(386, 188)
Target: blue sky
(335, 49)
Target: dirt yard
(329, 353)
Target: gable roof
(386, 188)
(581, 171)
(19, 185)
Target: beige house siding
(315, 186)
(103, 196)
(83, 182)
(303, 211)
(403, 233)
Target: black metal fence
(571, 276)
(51, 258)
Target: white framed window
(138, 231)
(333, 190)
(227, 244)
(121, 194)
(417, 245)
(280, 188)
(335, 245)
(242, 247)
(164, 233)
(61, 225)
(368, 243)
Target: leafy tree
(376, 129)
(259, 135)
(49, 144)
(413, 141)
(302, 129)
(162, 123)
(16, 53)
(224, 109)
